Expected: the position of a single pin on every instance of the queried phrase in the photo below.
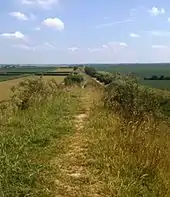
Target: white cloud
(159, 46)
(19, 16)
(155, 11)
(159, 33)
(123, 44)
(168, 19)
(22, 16)
(15, 35)
(37, 28)
(114, 23)
(104, 46)
(55, 23)
(44, 46)
(73, 48)
(46, 4)
(134, 35)
(117, 44)
(49, 46)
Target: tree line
(155, 77)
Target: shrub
(104, 78)
(132, 101)
(72, 79)
(90, 71)
(32, 90)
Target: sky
(84, 31)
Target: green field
(5, 78)
(27, 69)
(141, 70)
(14, 73)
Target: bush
(72, 79)
(90, 71)
(32, 90)
(104, 78)
(132, 101)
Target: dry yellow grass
(5, 88)
(59, 79)
(63, 70)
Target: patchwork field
(13, 73)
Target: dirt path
(74, 179)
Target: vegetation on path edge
(75, 144)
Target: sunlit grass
(29, 139)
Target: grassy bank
(29, 140)
(127, 160)
(83, 142)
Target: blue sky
(77, 31)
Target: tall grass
(30, 139)
(125, 159)
(129, 146)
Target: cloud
(45, 4)
(73, 48)
(134, 35)
(19, 16)
(49, 46)
(37, 28)
(15, 35)
(55, 23)
(159, 47)
(22, 16)
(105, 46)
(114, 23)
(155, 11)
(44, 46)
(115, 46)
(159, 33)
(168, 19)
(94, 49)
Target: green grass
(40, 148)
(164, 84)
(6, 78)
(27, 69)
(142, 70)
(29, 141)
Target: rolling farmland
(9, 77)
(141, 71)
